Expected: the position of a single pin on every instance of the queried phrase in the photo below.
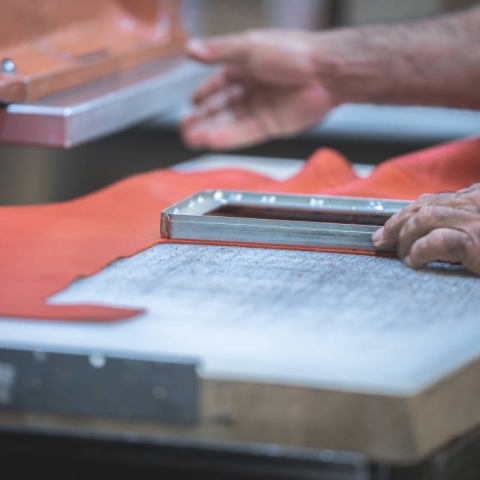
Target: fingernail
(407, 261)
(377, 236)
(198, 47)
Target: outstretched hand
(267, 87)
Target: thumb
(228, 48)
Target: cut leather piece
(44, 248)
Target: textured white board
(302, 318)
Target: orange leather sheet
(45, 248)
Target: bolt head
(9, 67)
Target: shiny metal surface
(100, 384)
(101, 108)
(277, 219)
(8, 67)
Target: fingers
(430, 218)
(442, 227)
(232, 128)
(443, 245)
(388, 236)
(228, 48)
(215, 104)
(221, 80)
(435, 228)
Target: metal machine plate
(278, 219)
(100, 386)
(102, 107)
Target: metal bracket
(279, 219)
(100, 386)
(101, 108)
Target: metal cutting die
(279, 219)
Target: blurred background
(366, 134)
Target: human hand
(267, 88)
(442, 227)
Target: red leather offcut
(45, 248)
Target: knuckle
(475, 187)
(456, 245)
(442, 244)
(434, 198)
(425, 197)
(441, 197)
(437, 239)
(391, 223)
(424, 215)
(407, 233)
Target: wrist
(346, 66)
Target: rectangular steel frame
(342, 223)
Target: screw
(97, 360)
(9, 67)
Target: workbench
(252, 361)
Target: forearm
(426, 62)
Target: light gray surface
(375, 123)
(398, 123)
(101, 108)
(302, 318)
(277, 168)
